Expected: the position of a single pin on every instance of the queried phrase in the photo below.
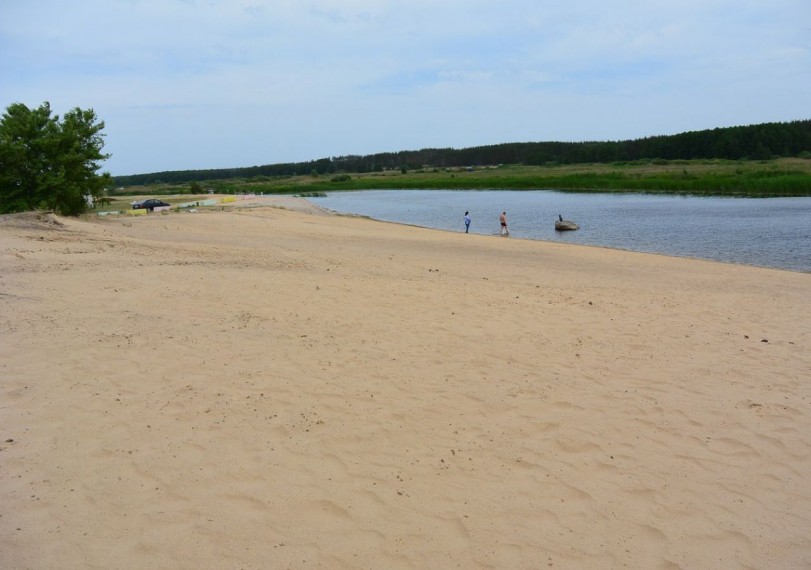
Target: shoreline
(259, 387)
(609, 247)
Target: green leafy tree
(50, 164)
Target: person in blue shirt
(467, 222)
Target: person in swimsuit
(503, 219)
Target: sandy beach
(266, 387)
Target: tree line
(754, 142)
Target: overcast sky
(194, 84)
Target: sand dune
(267, 388)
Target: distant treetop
(757, 142)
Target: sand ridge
(266, 388)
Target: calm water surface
(769, 232)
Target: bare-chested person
(503, 219)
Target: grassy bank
(773, 178)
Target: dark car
(150, 204)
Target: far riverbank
(754, 178)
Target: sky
(199, 84)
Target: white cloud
(210, 83)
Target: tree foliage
(754, 142)
(50, 164)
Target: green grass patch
(771, 178)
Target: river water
(767, 232)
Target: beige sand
(266, 388)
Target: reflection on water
(770, 232)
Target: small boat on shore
(562, 225)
